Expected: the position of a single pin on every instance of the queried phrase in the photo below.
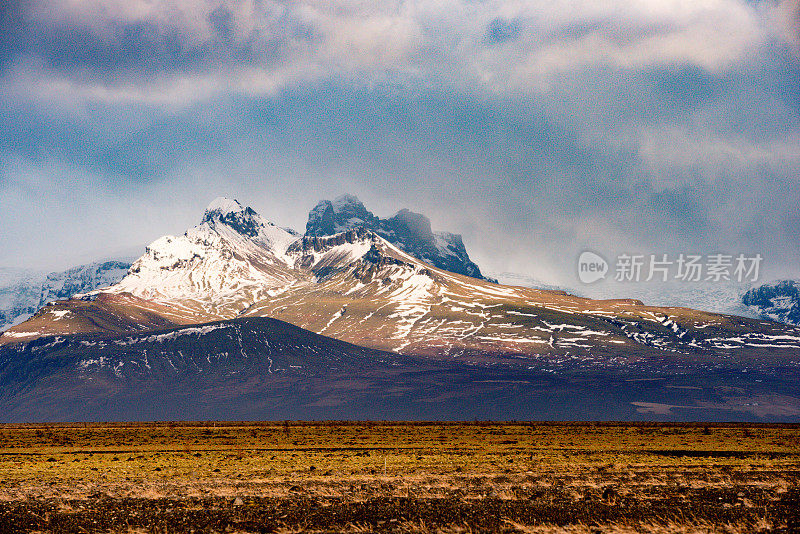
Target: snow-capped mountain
(200, 315)
(777, 301)
(357, 286)
(410, 232)
(22, 293)
(233, 258)
(215, 270)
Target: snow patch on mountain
(160, 338)
(413, 300)
(322, 258)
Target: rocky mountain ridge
(410, 232)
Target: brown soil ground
(399, 477)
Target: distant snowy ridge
(20, 292)
(776, 301)
(25, 292)
(524, 280)
(718, 297)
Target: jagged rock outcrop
(410, 232)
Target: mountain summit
(410, 232)
(232, 258)
(229, 212)
(344, 213)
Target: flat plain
(399, 477)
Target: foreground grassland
(328, 477)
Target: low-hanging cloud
(133, 50)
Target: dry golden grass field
(399, 477)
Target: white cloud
(681, 149)
(443, 40)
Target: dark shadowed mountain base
(265, 369)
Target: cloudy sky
(537, 129)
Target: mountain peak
(224, 205)
(344, 213)
(415, 224)
(346, 200)
(231, 213)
